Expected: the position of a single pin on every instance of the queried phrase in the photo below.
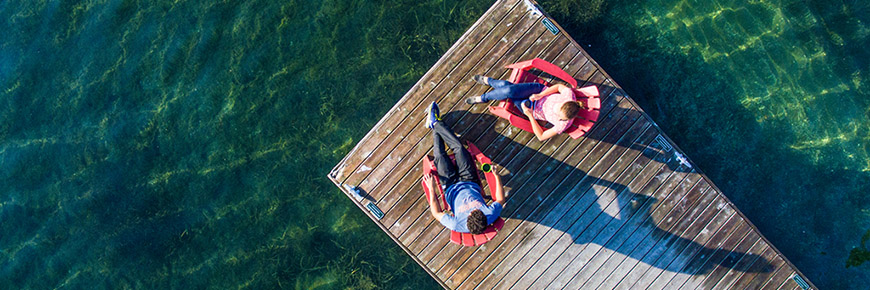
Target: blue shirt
(463, 198)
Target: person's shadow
(579, 200)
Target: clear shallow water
(178, 143)
(157, 144)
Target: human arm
(548, 91)
(434, 205)
(540, 133)
(498, 195)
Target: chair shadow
(594, 210)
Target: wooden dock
(620, 208)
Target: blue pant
(517, 93)
(450, 173)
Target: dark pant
(517, 93)
(449, 173)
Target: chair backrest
(470, 240)
(591, 103)
(590, 115)
(466, 239)
(520, 70)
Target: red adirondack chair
(466, 239)
(587, 95)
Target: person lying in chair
(462, 191)
(555, 104)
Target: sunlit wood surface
(619, 208)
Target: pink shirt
(548, 108)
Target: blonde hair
(572, 108)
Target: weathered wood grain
(454, 56)
(610, 195)
(615, 209)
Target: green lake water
(177, 144)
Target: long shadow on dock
(557, 202)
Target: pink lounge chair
(587, 95)
(466, 239)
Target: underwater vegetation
(861, 254)
(176, 144)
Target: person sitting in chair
(555, 104)
(462, 191)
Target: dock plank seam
(683, 232)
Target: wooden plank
(787, 283)
(410, 127)
(495, 134)
(423, 221)
(498, 127)
(408, 181)
(568, 213)
(599, 181)
(508, 145)
(634, 186)
(543, 229)
(728, 254)
(657, 188)
(761, 279)
(420, 133)
(582, 185)
(448, 266)
(741, 231)
(420, 148)
(622, 182)
(526, 161)
(513, 206)
(556, 53)
(499, 159)
(446, 64)
(637, 176)
(543, 154)
(779, 279)
(699, 257)
(586, 147)
(662, 238)
(556, 177)
(558, 56)
(430, 252)
(661, 219)
(541, 174)
(661, 178)
(548, 247)
(745, 263)
(711, 222)
(730, 259)
(446, 106)
(688, 215)
(699, 232)
(333, 176)
(760, 271)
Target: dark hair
(476, 222)
(570, 109)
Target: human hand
(534, 97)
(429, 179)
(526, 109)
